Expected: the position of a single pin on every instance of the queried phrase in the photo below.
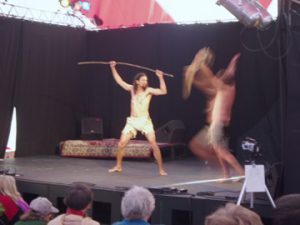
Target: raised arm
(162, 90)
(199, 74)
(205, 80)
(118, 78)
(228, 76)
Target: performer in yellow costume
(139, 119)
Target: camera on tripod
(251, 145)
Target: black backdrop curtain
(53, 93)
(46, 87)
(291, 154)
(170, 48)
(9, 44)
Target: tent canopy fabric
(107, 14)
(131, 13)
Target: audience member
(287, 211)
(78, 202)
(40, 213)
(8, 187)
(137, 206)
(232, 214)
(11, 201)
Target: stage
(176, 202)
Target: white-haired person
(78, 201)
(137, 206)
(40, 213)
(232, 214)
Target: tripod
(254, 182)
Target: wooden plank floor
(61, 170)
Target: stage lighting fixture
(249, 12)
(80, 5)
(64, 3)
(85, 5)
(76, 4)
(265, 17)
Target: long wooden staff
(123, 63)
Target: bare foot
(115, 169)
(225, 179)
(239, 179)
(163, 173)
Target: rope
(123, 63)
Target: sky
(202, 10)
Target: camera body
(251, 145)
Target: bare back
(219, 89)
(219, 107)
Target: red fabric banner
(265, 3)
(120, 13)
(131, 13)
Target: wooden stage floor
(50, 176)
(56, 169)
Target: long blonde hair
(8, 187)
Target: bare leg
(156, 152)
(226, 156)
(220, 154)
(231, 160)
(202, 152)
(125, 138)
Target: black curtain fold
(53, 93)
(170, 48)
(10, 37)
(48, 87)
(292, 126)
(166, 47)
